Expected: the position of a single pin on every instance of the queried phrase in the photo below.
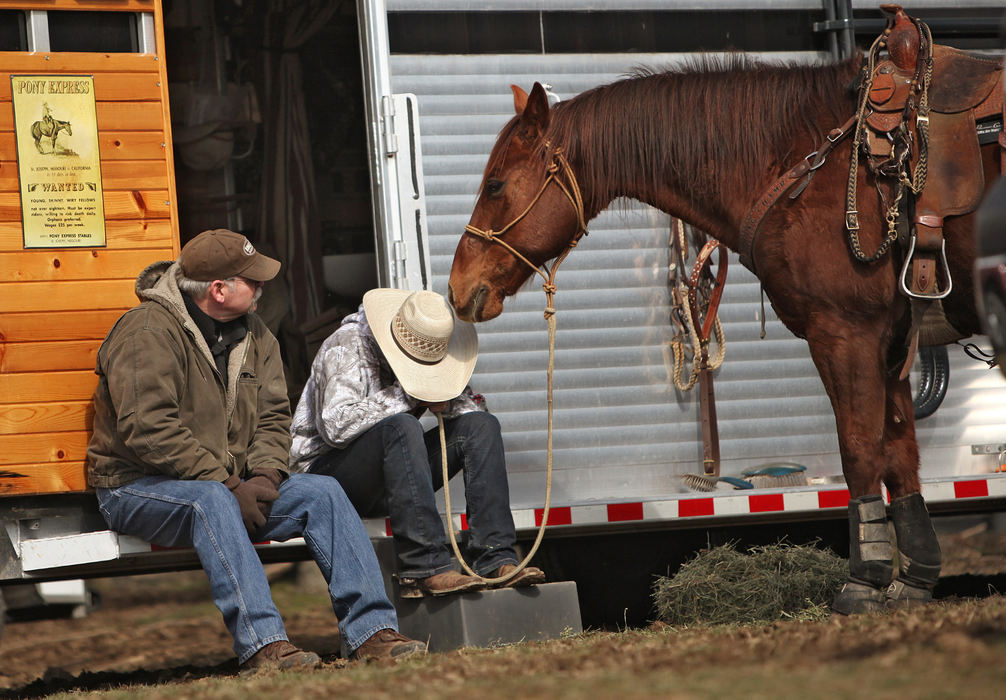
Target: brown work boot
(447, 583)
(388, 644)
(528, 576)
(281, 655)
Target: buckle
(852, 220)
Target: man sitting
(399, 355)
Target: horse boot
(871, 558)
(919, 556)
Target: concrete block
(491, 617)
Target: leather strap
(707, 407)
(804, 169)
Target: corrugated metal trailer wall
(622, 431)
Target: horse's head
(528, 211)
(66, 127)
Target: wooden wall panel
(25, 479)
(48, 417)
(43, 387)
(115, 175)
(118, 116)
(83, 63)
(102, 5)
(41, 357)
(45, 296)
(57, 304)
(135, 204)
(113, 86)
(112, 145)
(70, 264)
(88, 264)
(43, 447)
(119, 235)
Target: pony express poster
(56, 130)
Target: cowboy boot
(919, 556)
(871, 558)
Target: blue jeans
(395, 469)
(205, 515)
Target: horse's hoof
(857, 598)
(904, 595)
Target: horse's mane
(710, 113)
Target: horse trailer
(416, 92)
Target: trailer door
(396, 174)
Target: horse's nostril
(450, 295)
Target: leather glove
(255, 497)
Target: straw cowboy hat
(431, 353)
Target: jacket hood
(150, 276)
(158, 282)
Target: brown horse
(49, 128)
(705, 144)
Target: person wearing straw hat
(190, 448)
(401, 354)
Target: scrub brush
(777, 474)
(702, 482)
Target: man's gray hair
(194, 288)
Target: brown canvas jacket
(160, 406)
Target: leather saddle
(923, 104)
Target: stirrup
(906, 269)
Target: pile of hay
(723, 585)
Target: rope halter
(571, 189)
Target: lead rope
(548, 478)
(575, 198)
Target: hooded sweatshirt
(351, 389)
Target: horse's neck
(700, 155)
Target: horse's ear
(519, 99)
(535, 115)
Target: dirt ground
(162, 630)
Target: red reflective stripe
(624, 511)
(971, 489)
(556, 516)
(387, 526)
(464, 521)
(691, 507)
(833, 499)
(766, 502)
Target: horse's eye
(494, 187)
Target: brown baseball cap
(220, 254)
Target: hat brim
(441, 381)
(262, 268)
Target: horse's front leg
(850, 357)
(919, 556)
